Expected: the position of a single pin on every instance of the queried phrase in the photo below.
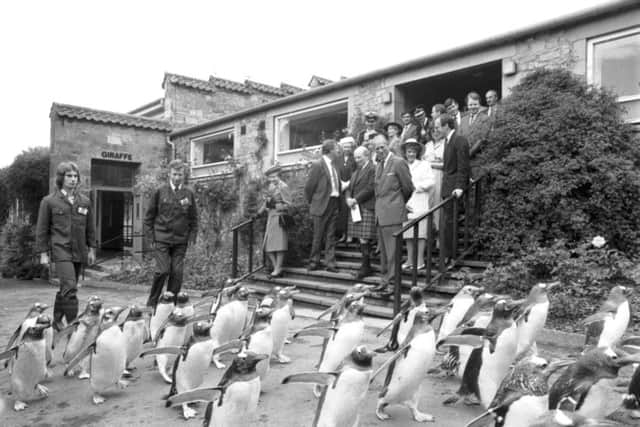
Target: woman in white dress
(423, 181)
(434, 153)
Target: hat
(370, 115)
(396, 124)
(273, 169)
(412, 142)
(348, 139)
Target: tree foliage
(27, 179)
(561, 164)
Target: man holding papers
(360, 198)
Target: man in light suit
(455, 176)
(453, 110)
(393, 189)
(322, 191)
(409, 128)
(474, 125)
(493, 104)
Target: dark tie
(380, 168)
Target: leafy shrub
(27, 179)
(561, 164)
(586, 274)
(17, 249)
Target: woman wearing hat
(423, 181)
(394, 130)
(277, 199)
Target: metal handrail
(414, 223)
(235, 248)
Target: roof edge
(143, 122)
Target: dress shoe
(381, 287)
(312, 266)
(331, 269)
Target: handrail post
(454, 240)
(414, 261)
(478, 203)
(251, 246)
(234, 255)
(429, 247)
(467, 213)
(398, 275)
(441, 238)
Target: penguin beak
(210, 293)
(118, 310)
(477, 290)
(627, 290)
(558, 364)
(553, 285)
(629, 358)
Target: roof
(319, 81)
(291, 89)
(559, 23)
(265, 88)
(229, 85)
(83, 113)
(150, 105)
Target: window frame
(202, 139)
(591, 45)
(277, 118)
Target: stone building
(218, 124)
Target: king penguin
(28, 364)
(589, 383)
(494, 350)
(235, 399)
(408, 368)
(531, 316)
(340, 340)
(343, 389)
(611, 321)
(523, 394)
(108, 356)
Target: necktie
(380, 168)
(473, 118)
(489, 113)
(334, 180)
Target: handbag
(286, 221)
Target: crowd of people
(363, 189)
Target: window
(108, 173)
(214, 148)
(613, 61)
(309, 127)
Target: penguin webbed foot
(19, 406)
(451, 400)
(44, 391)
(98, 400)
(380, 413)
(218, 363)
(634, 414)
(420, 417)
(281, 358)
(188, 412)
(84, 375)
(122, 384)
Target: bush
(561, 164)
(586, 274)
(27, 179)
(17, 250)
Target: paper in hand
(355, 214)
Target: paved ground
(69, 403)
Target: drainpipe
(173, 148)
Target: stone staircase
(322, 288)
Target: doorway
(115, 219)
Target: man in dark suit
(393, 190)
(322, 191)
(370, 130)
(409, 128)
(453, 110)
(422, 122)
(455, 176)
(361, 195)
(170, 224)
(345, 164)
(474, 125)
(493, 105)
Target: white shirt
(335, 191)
(173, 187)
(69, 196)
(449, 136)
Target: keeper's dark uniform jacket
(65, 229)
(172, 216)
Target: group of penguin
(488, 341)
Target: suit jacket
(362, 186)
(360, 139)
(476, 132)
(317, 189)
(172, 216)
(393, 190)
(346, 168)
(455, 165)
(411, 131)
(424, 133)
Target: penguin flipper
(236, 344)
(394, 322)
(597, 317)
(14, 337)
(402, 352)
(322, 378)
(631, 341)
(474, 341)
(335, 307)
(78, 357)
(68, 330)
(162, 350)
(321, 324)
(206, 394)
(7, 354)
(480, 420)
(200, 318)
(208, 413)
(316, 332)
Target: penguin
(230, 319)
(191, 363)
(134, 329)
(107, 354)
(407, 369)
(403, 321)
(82, 331)
(589, 383)
(232, 402)
(494, 350)
(28, 364)
(611, 321)
(631, 400)
(531, 316)
(357, 291)
(343, 389)
(161, 313)
(184, 306)
(559, 418)
(172, 334)
(457, 309)
(477, 316)
(340, 340)
(260, 339)
(30, 319)
(282, 316)
(523, 394)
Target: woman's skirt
(275, 237)
(364, 229)
(422, 230)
